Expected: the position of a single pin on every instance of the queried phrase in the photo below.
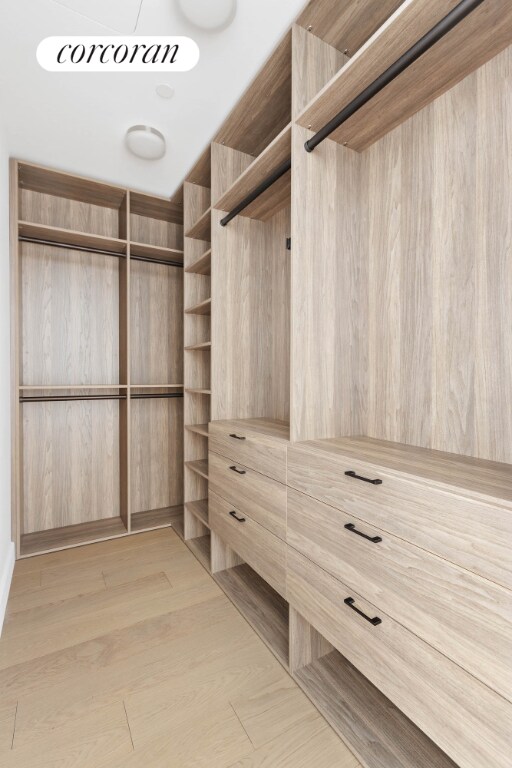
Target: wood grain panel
(70, 463)
(460, 526)
(227, 165)
(56, 211)
(434, 692)
(70, 309)
(61, 184)
(160, 208)
(259, 496)
(329, 293)
(263, 551)
(156, 324)
(259, 450)
(463, 616)
(250, 338)
(156, 454)
(440, 262)
(314, 63)
(158, 232)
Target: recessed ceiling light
(146, 142)
(165, 91)
(212, 15)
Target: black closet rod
(274, 176)
(86, 248)
(63, 398)
(426, 42)
(156, 395)
(157, 261)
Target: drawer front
(460, 614)
(264, 455)
(460, 714)
(263, 499)
(464, 531)
(263, 551)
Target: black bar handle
(351, 604)
(237, 437)
(238, 471)
(351, 473)
(374, 539)
(240, 519)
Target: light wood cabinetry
(98, 382)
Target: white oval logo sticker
(118, 54)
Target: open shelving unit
(98, 436)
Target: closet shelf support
(438, 31)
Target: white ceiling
(77, 122)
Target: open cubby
(265, 610)
(373, 727)
(157, 224)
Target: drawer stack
(397, 557)
(247, 493)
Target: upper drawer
(261, 452)
(263, 551)
(469, 721)
(465, 531)
(464, 616)
(263, 499)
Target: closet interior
(99, 359)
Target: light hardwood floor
(127, 654)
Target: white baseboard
(5, 581)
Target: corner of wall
(7, 568)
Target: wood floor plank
(104, 735)
(309, 744)
(272, 709)
(7, 719)
(23, 582)
(45, 596)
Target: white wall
(6, 546)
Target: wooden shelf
(200, 547)
(152, 207)
(155, 518)
(202, 228)
(264, 609)
(156, 386)
(203, 265)
(71, 238)
(205, 346)
(71, 536)
(478, 38)
(199, 467)
(198, 391)
(148, 251)
(376, 731)
(277, 196)
(198, 429)
(200, 510)
(61, 184)
(203, 308)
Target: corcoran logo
(118, 54)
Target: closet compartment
(156, 228)
(71, 471)
(57, 207)
(263, 607)
(375, 730)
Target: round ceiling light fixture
(212, 15)
(146, 142)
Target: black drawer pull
(373, 539)
(238, 471)
(351, 473)
(240, 519)
(351, 604)
(237, 437)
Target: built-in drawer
(263, 551)
(257, 495)
(464, 616)
(257, 451)
(468, 720)
(473, 534)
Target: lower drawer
(263, 499)
(263, 551)
(460, 614)
(466, 719)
